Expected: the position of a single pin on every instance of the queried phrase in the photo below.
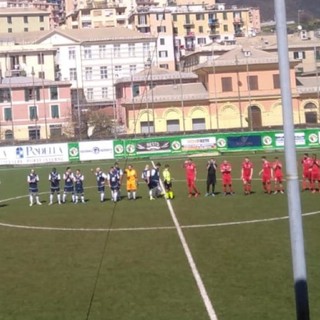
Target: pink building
(34, 109)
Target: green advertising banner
(73, 151)
(214, 142)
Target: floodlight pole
(294, 203)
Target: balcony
(190, 35)
(188, 24)
(146, 2)
(238, 21)
(213, 22)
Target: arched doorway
(8, 135)
(311, 113)
(254, 117)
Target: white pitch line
(203, 292)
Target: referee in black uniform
(211, 176)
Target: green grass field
(51, 255)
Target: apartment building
(34, 109)
(14, 20)
(54, 7)
(25, 60)
(182, 29)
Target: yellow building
(239, 90)
(14, 20)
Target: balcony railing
(213, 22)
(190, 35)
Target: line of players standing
(74, 183)
(269, 171)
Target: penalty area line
(203, 292)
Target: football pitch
(147, 260)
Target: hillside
(267, 7)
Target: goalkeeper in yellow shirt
(167, 182)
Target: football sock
(101, 196)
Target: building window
(25, 29)
(201, 29)
(162, 41)
(41, 28)
(102, 51)
(202, 41)
(87, 52)
(135, 90)
(252, 83)
(147, 127)
(5, 95)
(34, 133)
(299, 55)
(7, 114)
(276, 81)
(104, 92)
(104, 72)
(142, 20)
(73, 74)
(54, 111)
(173, 125)
(164, 66)
(32, 94)
(33, 113)
(225, 28)
(317, 54)
(40, 58)
(41, 18)
(199, 16)
(117, 71)
(9, 20)
(9, 30)
(25, 19)
(199, 124)
(8, 135)
(133, 68)
(88, 73)
(160, 16)
(310, 113)
(146, 49)
(54, 93)
(55, 130)
(163, 54)
(117, 50)
(226, 83)
(161, 29)
(41, 75)
(72, 53)
(90, 93)
(132, 50)
(225, 16)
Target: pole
(113, 98)
(11, 106)
(181, 97)
(249, 94)
(317, 78)
(294, 204)
(215, 91)
(152, 99)
(34, 103)
(44, 99)
(133, 107)
(78, 98)
(239, 96)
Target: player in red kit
(278, 176)
(306, 172)
(225, 169)
(246, 175)
(191, 175)
(314, 169)
(266, 175)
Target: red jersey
(225, 168)
(306, 163)
(266, 168)
(191, 169)
(277, 168)
(247, 167)
(315, 164)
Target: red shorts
(306, 174)
(278, 178)
(315, 176)
(246, 179)
(266, 179)
(226, 179)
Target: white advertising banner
(33, 154)
(96, 150)
(299, 137)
